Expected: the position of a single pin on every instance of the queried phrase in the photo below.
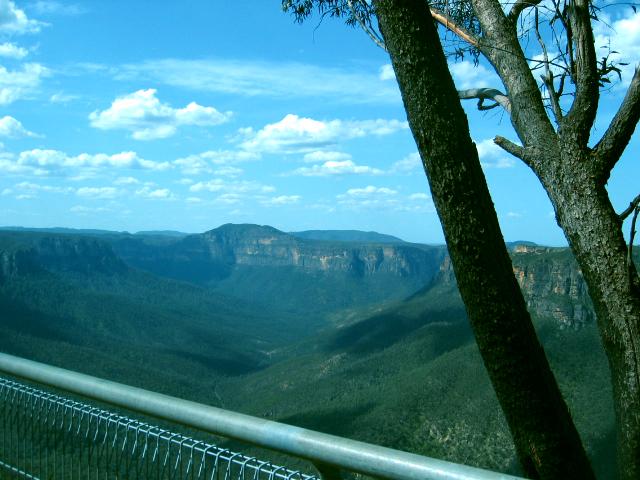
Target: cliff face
(213, 255)
(262, 263)
(31, 254)
(265, 246)
(551, 283)
(13, 263)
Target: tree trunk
(593, 230)
(546, 440)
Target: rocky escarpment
(261, 245)
(25, 254)
(551, 282)
(213, 255)
(553, 285)
(14, 263)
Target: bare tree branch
(512, 148)
(440, 17)
(446, 21)
(368, 30)
(632, 235)
(609, 149)
(632, 206)
(519, 7)
(582, 114)
(482, 94)
(547, 78)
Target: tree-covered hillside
(403, 373)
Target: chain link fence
(47, 436)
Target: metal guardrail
(328, 453)
(46, 436)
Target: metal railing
(51, 437)
(48, 436)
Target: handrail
(320, 448)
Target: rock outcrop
(30, 254)
(551, 282)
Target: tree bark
(547, 443)
(593, 230)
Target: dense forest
(358, 335)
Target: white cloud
(98, 192)
(52, 160)
(220, 185)
(8, 165)
(384, 198)
(260, 78)
(229, 198)
(492, 156)
(126, 181)
(18, 84)
(10, 127)
(51, 7)
(336, 167)
(11, 50)
(513, 215)
(294, 134)
(467, 75)
(387, 73)
(83, 210)
(325, 156)
(370, 191)
(193, 200)
(419, 196)
(35, 187)
(148, 119)
(14, 21)
(408, 165)
(228, 171)
(369, 197)
(281, 200)
(62, 98)
(157, 193)
(203, 162)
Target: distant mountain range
(363, 338)
(327, 235)
(347, 236)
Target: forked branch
(482, 94)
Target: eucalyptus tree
(553, 120)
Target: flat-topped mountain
(261, 263)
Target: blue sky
(140, 115)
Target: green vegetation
(402, 373)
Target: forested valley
(353, 333)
